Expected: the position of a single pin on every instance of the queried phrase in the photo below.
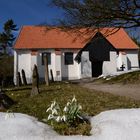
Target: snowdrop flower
(63, 118)
(48, 109)
(80, 107)
(68, 103)
(52, 105)
(58, 119)
(74, 99)
(65, 109)
(50, 116)
(54, 111)
(57, 106)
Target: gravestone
(51, 72)
(19, 82)
(24, 77)
(35, 81)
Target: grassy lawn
(127, 78)
(92, 102)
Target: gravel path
(129, 90)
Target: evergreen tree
(7, 37)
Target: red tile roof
(40, 37)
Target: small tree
(35, 81)
(24, 77)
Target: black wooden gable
(99, 49)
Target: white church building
(73, 55)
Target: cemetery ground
(92, 101)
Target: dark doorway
(97, 68)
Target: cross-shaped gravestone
(122, 67)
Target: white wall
(122, 61)
(129, 59)
(85, 65)
(26, 61)
(110, 67)
(41, 68)
(70, 72)
(57, 71)
(60, 70)
(132, 56)
(15, 66)
(119, 60)
(23, 62)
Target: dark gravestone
(19, 82)
(24, 77)
(51, 72)
(5, 101)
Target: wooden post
(46, 70)
(51, 75)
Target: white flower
(50, 117)
(65, 109)
(68, 103)
(74, 99)
(54, 111)
(48, 109)
(57, 106)
(58, 119)
(63, 118)
(80, 107)
(52, 105)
